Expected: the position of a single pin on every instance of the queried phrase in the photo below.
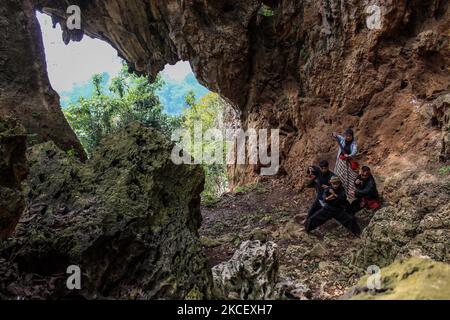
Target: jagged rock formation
(128, 219)
(441, 118)
(412, 279)
(13, 170)
(331, 70)
(251, 274)
(416, 222)
(25, 91)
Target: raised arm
(339, 139)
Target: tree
(208, 112)
(129, 98)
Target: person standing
(346, 165)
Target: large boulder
(13, 169)
(252, 272)
(415, 222)
(412, 279)
(128, 219)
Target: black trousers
(356, 206)
(315, 207)
(323, 215)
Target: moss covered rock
(128, 218)
(13, 169)
(252, 272)
(412, 279)
(415, 221)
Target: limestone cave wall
(25, 90)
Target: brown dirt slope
(271, 211)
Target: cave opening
(72, 67)
(93, 83)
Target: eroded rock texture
(128, 219)
(415, 222)
(309, 69)
(409, 279)
(441, 119)
(252, 272)
(25, 91)
(13, 170)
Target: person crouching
(334, 206)
(366, 193)
(320, 180)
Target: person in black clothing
(366, 194)
(334, 206)
(321, 176)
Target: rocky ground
(413, 222)
(320, 263)
(130, 219)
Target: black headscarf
(348, 144)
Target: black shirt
(339, 202)
(320, 180)
(368, 188)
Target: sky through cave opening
(71, 67)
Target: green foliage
(210, 243)
(444, 170)
(85, 90)
(36, 115)
(172, 94)
(267, 219)
(210, 199)
(266, 11)
(208, 112)
(71, 153)
(130, 98)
